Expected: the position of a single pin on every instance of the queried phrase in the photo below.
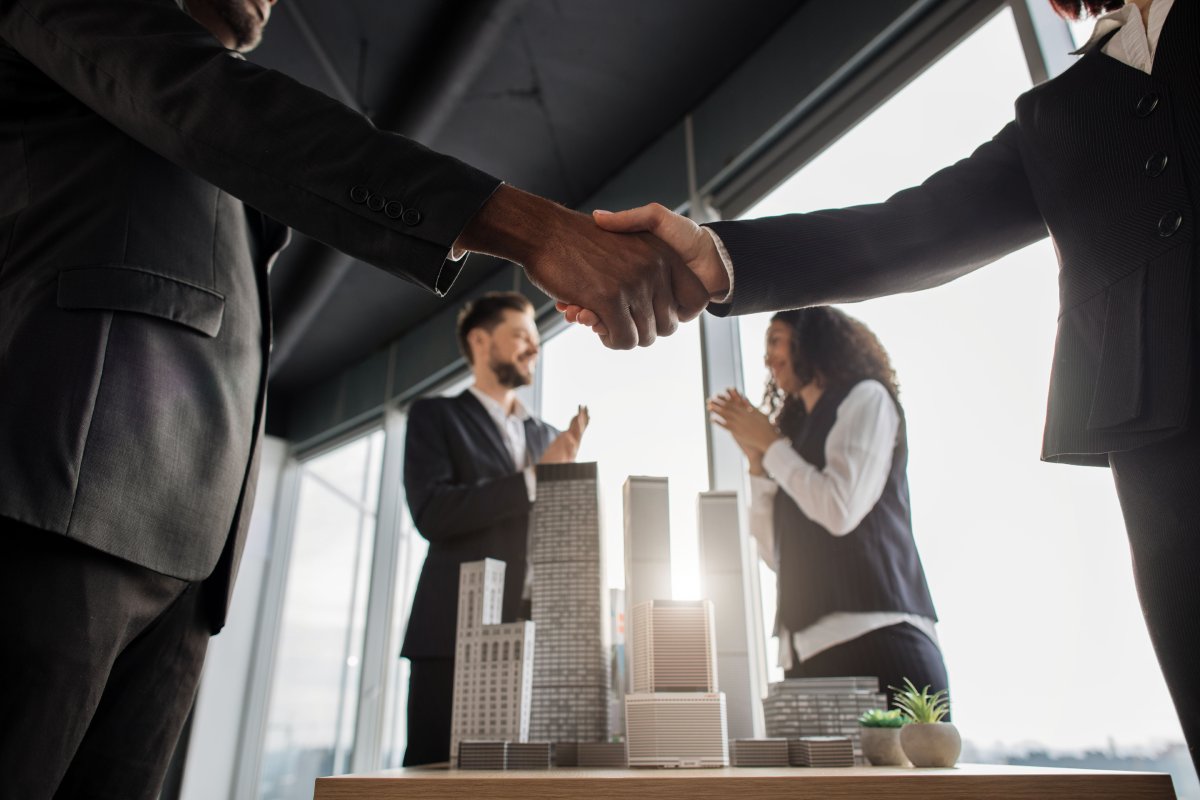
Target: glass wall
(314, 693)
(1027, 561)
(647, 418)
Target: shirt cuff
(779, 458)
(531, 482)
(762, 487)
(726, 262)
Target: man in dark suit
(143, 162)
(470, 484)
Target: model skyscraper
(674, 648)
(675, 717)
(729, 578)
(493, 662)
(647, 540)
(571, 675)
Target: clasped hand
(750, 428)
(690, 243)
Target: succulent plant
(878, 718)
(918, 705)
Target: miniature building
(493, 662)
(675, 717)
(617, 664)
(647, 540)
(677, 729)
(729, 578)
(571, 676)
(799, 707)
(674, 648)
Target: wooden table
(861, 783)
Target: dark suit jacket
(471, 502)
(1107, 159)
(134, 328)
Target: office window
(647, 418)
(314, 694)
(1027, 561)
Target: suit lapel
(474, 411)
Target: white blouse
(858, 459)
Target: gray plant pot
(881, 747)
(932, 744)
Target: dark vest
(875, 567)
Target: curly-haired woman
(830, 507)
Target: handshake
(630, 276)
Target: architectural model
(493, 663)
(800, 707)
(675, 716)
(674, 647)
(571, 675)
(647, 540)
(729, 578)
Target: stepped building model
(493, 663)
(675, 716)
(570, 607)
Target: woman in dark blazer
(1106, 159)
(829, 504)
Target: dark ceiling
(553, 96)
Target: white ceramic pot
(931, 744)
(881, 747)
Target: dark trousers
(1159, 490)
(892, 654)
(430, 705)
(99, 669)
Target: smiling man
(470, 482)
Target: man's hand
(690, 242)
(565, 446)
(635, 285)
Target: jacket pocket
(138, 291)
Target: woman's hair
(834, 345)
(1078, 9)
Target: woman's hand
(750, 428)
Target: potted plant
(926, 740)
(880, 733)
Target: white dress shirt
(512, 431)
(1135, 43)
(858, 459)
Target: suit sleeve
(442, 506)
(289, 151)
(958, 220)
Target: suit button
(1155, 164)
(1168, 223)
(412, 216)
(359, 194)
(394, 209)
(375, 202)
(1146, 105)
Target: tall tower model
(570, 676)
(729, 578)
(675, 716)
(647, 540)
(493, 663)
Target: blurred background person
(829, 504)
